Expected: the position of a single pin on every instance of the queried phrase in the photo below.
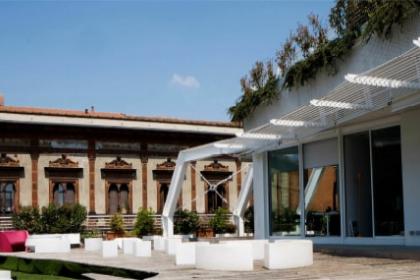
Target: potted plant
(145, 222)
(117, 227)
(186, 223)
(220, 223)
(249, 221)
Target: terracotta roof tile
(109, 115)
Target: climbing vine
(308, 50)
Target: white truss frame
(358, 95)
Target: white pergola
(394, 84)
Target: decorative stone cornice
(6, 161)
(167, 165)
(216, 166)
(118, 163)
(63, 162)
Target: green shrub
(52, 219)
(144, 222)
(186, 222)
(220, 221)
(117, 223)
(28, 219)
(90, 234)
(249, 219)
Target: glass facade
(373, 191)
(322, 201)
(283, 168)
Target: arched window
(7, 197)
(214, 200)
(163, 194)
(118, 198)
(64, 193)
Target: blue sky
(154, 58)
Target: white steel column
(238, 213)
(260, 191)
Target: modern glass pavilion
(338, 161)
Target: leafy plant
(220, 221)
(186, 222)
(52, 219)
(249, 219)
(260, 87)
(91, 234)
(117, 223)
(28, 218)
(63, 219)
(144, 222)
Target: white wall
(410, 145)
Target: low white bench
(74, 238)
(282, 254)
(48, 244)
(128, 245)
(142, 248)
(171, 243)
(257, 246)
(152, 238)
(226, 257)
(185, 252)
(93, 244)
(159, 243)
(109, 249)
(5, 275)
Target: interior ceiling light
(295, 123)
(417, 42)
(380, 82)
(340, 105)
(228, 146)
(261, 136)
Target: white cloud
(185, 81)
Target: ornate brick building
(107, 162)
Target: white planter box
(151, 238)
(74, 238)
(159, 243)
(185, 252)
(48, 244)
(5, 275)
(170, 244)
(142, 248)
(258, 246)
(128, 245)
(288, 254)
(226, 257)
(109, 249)
(93, 244)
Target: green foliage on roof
(307, 51)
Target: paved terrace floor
(325, 267)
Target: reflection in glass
(358, 185)
(284, 191)
(322, 207)
(387, 182)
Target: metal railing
(6, 223)
(102, 222)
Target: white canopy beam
(417, 42)
(380, 82)
(245, 193)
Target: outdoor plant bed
(72, 270)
